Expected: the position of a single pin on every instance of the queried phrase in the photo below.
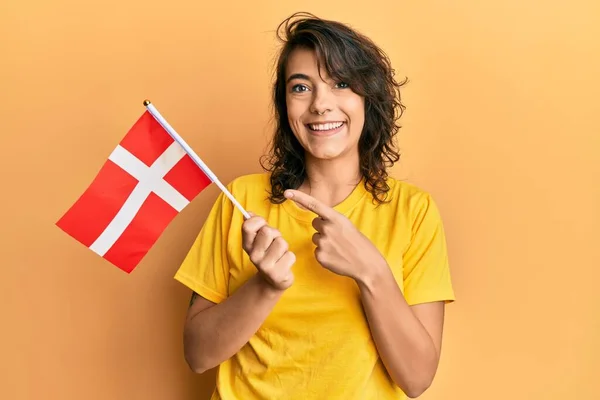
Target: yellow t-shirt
(316, 342)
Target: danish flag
(146, 181)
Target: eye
(342, 85)
(299, 88)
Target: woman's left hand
(341, 248)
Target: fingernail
(288, 194)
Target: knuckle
(265, 231)
(285, 279)
(254, 257)
(274, 275)
(319, 255)
(289, 259)
(266, 269)
(270, 272)
(281, 243)
(246, 228)
(292, 257)
(288, 280)
(274, 232)
(254, 223)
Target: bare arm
(214, 333)
(408, 339)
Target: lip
(330, 132)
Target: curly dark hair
(354, 59)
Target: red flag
(146, 181)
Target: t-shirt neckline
(344, 207)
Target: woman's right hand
(269, 252)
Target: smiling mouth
(327, 127)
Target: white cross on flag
(146, 181)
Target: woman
(335, 287)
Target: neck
(331, 181)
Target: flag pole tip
(146, 102)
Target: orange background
(501, 126)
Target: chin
(326, 153)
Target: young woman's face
(326, 117)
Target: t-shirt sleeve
(426, 270)
(205, 268)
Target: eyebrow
(298, 76)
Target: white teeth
(325, 127)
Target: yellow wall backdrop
(502, 127)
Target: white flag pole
(150, 107)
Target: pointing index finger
(310, 203)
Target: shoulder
(251, 185)
(413, 202)
(252, 191)
(254, 181)
(406, 194)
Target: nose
(323, 100)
